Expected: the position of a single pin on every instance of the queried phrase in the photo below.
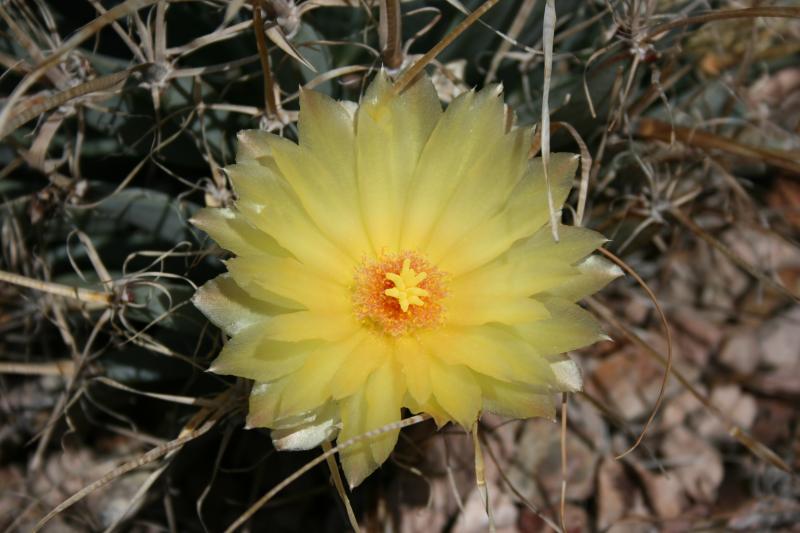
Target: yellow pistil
(405, 286)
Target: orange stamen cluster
(399, 293)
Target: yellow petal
(229, 307)
(267, 410)
(255, 182)
(304, 325)
(525, 212)
(534, 266)
(569, 327)
(574, 243)
(392, 131)
(505, 278)
(250, 354)
(456, 390)
(265, 401)
(356, 459)
(471, 124)
(310, 386)
(465, 308)
(430, 407)
(595, 273)
(232, 231)
(327, 128)
(414, 362)
(477, 198)
(270, 204)
(384, 394)
(369, 355)
(252, 145)
(516, 400)
(289, 279)
(324, 179)
(306, 431)
(490, 350)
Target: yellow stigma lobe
(405, 286)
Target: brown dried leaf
(697, 464)
(740, 406)
(665, 493)
(741, 351)
(536, 470)
(780, 341)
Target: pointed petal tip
(355, 474)
(249, 423)
(493, 90)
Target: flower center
(399, 293)
(406, 286)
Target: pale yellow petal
(490, 350)
(477, 198)
(256, 184)
(414, 361)
(323, 176)
(232, 231)
(264, 405)
(308, 430)
(533, 266)
(455, 389)
(373, 352)
(430, 407)
(516, 400)
(304, 325)
(392, 130)
(356, 458)
(525, 212)
(259, 293)
(250, 354)
(310, 386)
(474, 309)
(252, 145)
(569, 327)
(290, 279)
(327, 128)
(595, 273)
(506, 278)
(464, 137)
(384, 393)
(267, 409)
(574, 244)
(229, 307)
(270, 204)
(357, 461)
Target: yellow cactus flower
(398, 256)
